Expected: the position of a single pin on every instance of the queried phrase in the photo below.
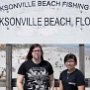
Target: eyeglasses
(69, 61)
(36, 50)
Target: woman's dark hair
(70, 56)
(29, 55)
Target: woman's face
(36, 53)
(70, 64)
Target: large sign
(45, 21)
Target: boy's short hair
(70, 56)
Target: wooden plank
(8, 66)
(89, 82)
(81, 58)
(2, 83)
(14, 82)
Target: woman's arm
(51, 79)
(19, 82)
(60, 85)
(81, 87)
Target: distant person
(71, 78)
(38, 73)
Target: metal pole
(8, 66)
(81, 58)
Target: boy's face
(70, 64)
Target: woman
(71, 78)
(37, 72)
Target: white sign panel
(45, 21)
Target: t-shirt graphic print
(37, 78)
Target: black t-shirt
(36, 75)
(73, 80)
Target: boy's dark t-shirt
(36, 75)
(73, 80)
